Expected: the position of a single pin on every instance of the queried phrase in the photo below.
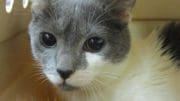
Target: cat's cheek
(94, 61)
(81, 78)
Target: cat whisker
(98, 85)
(99, 91)
(106, 74)
(37, 75)
(99, 82)
(109, 73)
(110, 77)
(42, 80)
(93, 91)
(87, 94)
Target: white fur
(55, 79)
(94, 59)
(83, 78)
(80, 78)
(51, 73)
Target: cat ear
(120, 9)
(39, 5)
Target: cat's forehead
(80, 16)
(77, 9)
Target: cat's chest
(144, 89)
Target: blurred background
(15, 57)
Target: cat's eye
(48, 40)
(93, 44)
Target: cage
(15, 55)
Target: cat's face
(77, 41)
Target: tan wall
(11, 24)
(157, 9)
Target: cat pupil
(94, 44)
(48, 40)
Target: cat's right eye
(48, 40)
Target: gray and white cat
(85, 50)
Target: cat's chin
(67, 87)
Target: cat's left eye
(94, 44)
(48, 40)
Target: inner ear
(40, 9)
(120, 9)
(123, 16)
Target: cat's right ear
(119, 9)
(38, 6)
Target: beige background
(157, 9)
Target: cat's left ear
(121, 9)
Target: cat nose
(65, 74)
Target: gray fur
(73, 22)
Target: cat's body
(86, 51)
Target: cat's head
(78, 41)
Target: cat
(86, 51)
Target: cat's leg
(170, 37)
